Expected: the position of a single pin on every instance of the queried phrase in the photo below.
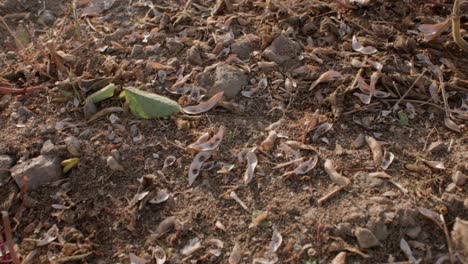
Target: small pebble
(459, 178)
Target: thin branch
(409, 89)
(456, 26)
(9, 237)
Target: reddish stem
(7, 90)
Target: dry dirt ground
(97, 214)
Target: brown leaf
(432, 31)
(364, 50)
(195, 166)
(451, 125)
(326, 77)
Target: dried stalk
(329, 195)
(9, 237)
(456, 26)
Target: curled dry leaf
(205, 106)
(113, 164)
(236, 198)
(340, 258)
(451, 125)
(376, 149)
(236, 254)
(50, 236)
(195, 166)
(169, 161)
(134, 259)
(334, 175)
(404, 246)
(161, 196)
(165, 226)
(218, 246)
(288, 163)
(438, 165)
(306, 166)
(326, 77)
(276, 240)
(252, 162)
(268, 144)
(432, 31)
(387, 160)
(431, 215)
(270, 259)
(322, 129)
(220, 225)
(364, 50)
(210, 144)
(158, 254)
(192, 246)
(377, 65)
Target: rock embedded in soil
(37, 172)
(283, 50)
(378, 228)
(459, 178)
(6, 162)
(413, 232)
(137, 51)
(365, 238)
(73, 145)
(227, 78)
(244, 45)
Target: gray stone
(195, 55)
(406, 216)
(413, 232)
(24, 112)
(344, 229)
(365, 238)
(228, 79)
(459, 178)
(378, 228)
(6, 162)
(73, 146)
(47, 18)
(283, 51)
(244, 45)
(48, 148)
(37, 172)
(137, 51)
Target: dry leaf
(340, 258)
(364, 50)
(158, 254)
(259, 219)
(251, 165)
(192, 246)
(387, 160)
(134, 259)
(205, 106)
(195, 166)
(50, 236)
(236, 254)
(161, 196)
(432, 31)
(169, 161)
(322, 129)
(404, 246)
(326, 77)
(451, 125)
(306, 166)
(438, 165)
(276, 240)
(165, 226)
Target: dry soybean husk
(334, 175)
(236, 254)
(337, 178)
(195, 166)
(252, 162)
(210, 144)
(205, 106)
(376, 149)
(269, 142)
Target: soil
(96, 209)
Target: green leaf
(103, 93)
(404, 121)
(149, 105)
